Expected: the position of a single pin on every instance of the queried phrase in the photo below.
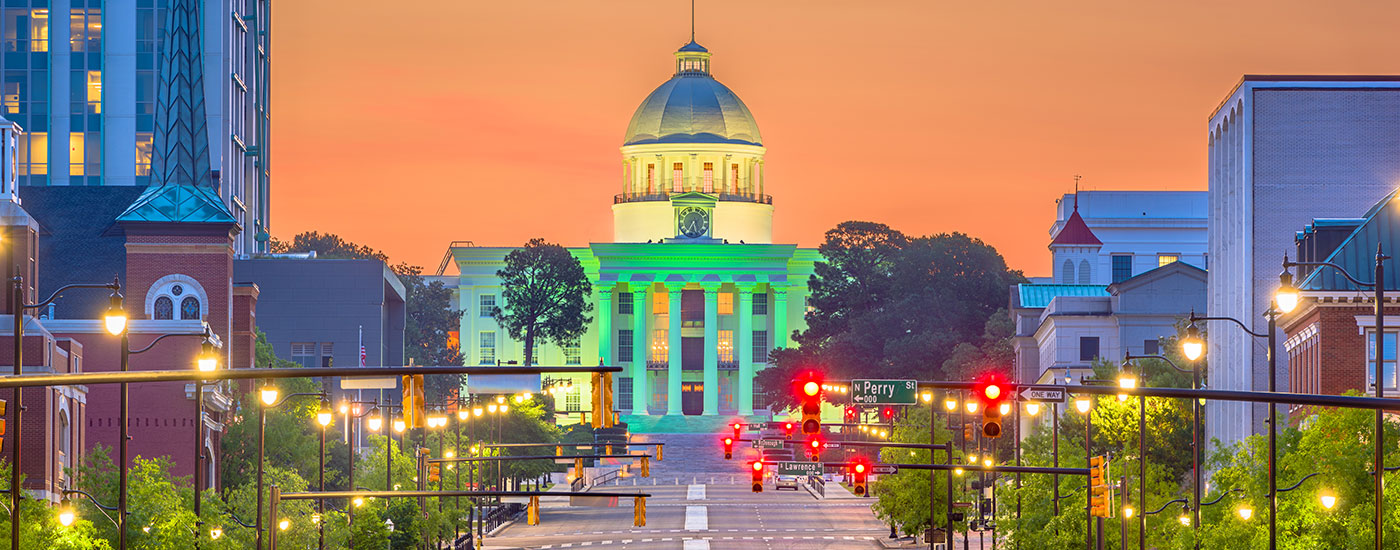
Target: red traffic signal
(757, 476)
(810, 392)
(815, 446)
(992, 392)
(728, 448)
(860, 473)
(737, 427)
(850, 414)
(787, 429)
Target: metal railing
(501, 513)
(726, 197)
(818, 484)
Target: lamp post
(1272, 315)
(1084, 404)
(115, 323)
(207, 362)
(268, 399)
(1195, 344)
(324, 417)
(1287, 298)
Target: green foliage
(887, 305)
(903, 498)
(40, 528)
(546, 296)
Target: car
(785, 481)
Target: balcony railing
(658, 365)
(728, 365)
(727, 197)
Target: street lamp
(1191, 333)
(1032, 408)
(1082, 403)
(1328, 500)
(66, 515)
(971, 406)
(399, 425)
(375, 421)
(269, 395)
(950, 403)
(1245, 512)
(1192, 346)
(115, 317)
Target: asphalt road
(704, 516)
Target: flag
(362, 356)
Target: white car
(785, 481)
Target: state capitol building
(692, 293)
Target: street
(722, 515)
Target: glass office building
(80, 78)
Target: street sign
(832, 445)
(1044, 394)
(884, 392)
(754, 427)
(883, 469)
(769, 444)
(799, 468)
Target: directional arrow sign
(884, 392)
(799, 468)
(883, 469)
(1042, 394)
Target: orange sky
(408, 127)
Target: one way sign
(1042, 394)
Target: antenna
(692, 20)
(1076, 191)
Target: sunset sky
(406, 128)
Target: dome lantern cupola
(692, 59)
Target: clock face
(693, 222)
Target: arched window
(1067, 273)
(65, 445)
(165, 309)
(189, 308)
(1084, 277)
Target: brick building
(1331, 335)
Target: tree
(328, 245)
(546, 296)
(40, 529)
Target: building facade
(1283, 150)
(1136, 232)
(80, 76)
(692, 294)
(1331, 335)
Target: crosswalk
(702, 543)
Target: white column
(605, 311)
(780, 314)
(673, 338)
(711, 349)
(641, 341)
(744, 349)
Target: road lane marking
(695, 492)
(696, 544)
(697, 518)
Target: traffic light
(859, 474)
(850, 415)
(991, 392)
(757, 476)
(639, 512)
(3, 409)
(788, 427)
(728, 448)
(810, 391)
(888, 414)
(414, 414)
(602, 400)
(434, 472)
(815, 447)
(1101, 496)
(737, 429)
(967, 432)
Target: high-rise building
(1283, 150)
(80, 77)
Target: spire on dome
(1075, 232)
(182, 186)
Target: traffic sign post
(884, 392)
(800, 468)
(1043, 394)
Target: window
(327, 354)
(1088, 348)
(651, 179)
(1067, 273)
(709, 177)
(573, 355)
(164, 309)
(487, 304)
(85, 30)
(624, 303)
(189, 308)
(76, 152)
(624, 393)
(725, 306)
(571, 398)
(734, 177)
(661, 303)
(486, 349)
(144, 144)
(1122, 267)
(624, 345)
(760, 346)
(1164, 259)
(1150, 347)
(726, 346)
(304, 354)
(677, 174)
(760, 303)
(660, 345)
(1085, 273)
(1387, 364)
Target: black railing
(726, 197)
(728, 365)
(658, 365)
(500, 514)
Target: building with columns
(692, 294)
